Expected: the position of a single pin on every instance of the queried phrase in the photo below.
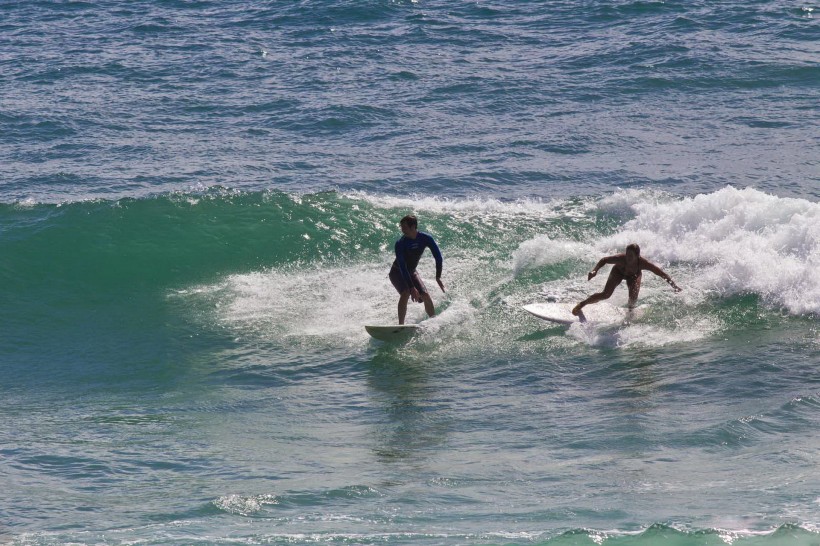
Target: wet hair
(634, 248)
(410, 221)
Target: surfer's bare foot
(576, 310)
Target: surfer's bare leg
(403, 305)
(612, 282)
(428, 304)
(634, 285)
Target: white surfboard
(395, 333)
(553, 312)
(561, 313)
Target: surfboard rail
(561, 313)
(552, 312)
(392, 332)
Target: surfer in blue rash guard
(403, 273)
(629, 266)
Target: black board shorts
(401, 286)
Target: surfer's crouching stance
(629, 266)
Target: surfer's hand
(674, 286)
(440, 284)
(414, 293)
(591, 274)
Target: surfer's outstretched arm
(649, 266)
(601, 263)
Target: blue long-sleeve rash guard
(409, 251)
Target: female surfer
(629, 266)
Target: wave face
(302, 256)
(311, 265)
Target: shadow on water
(416, 416)
(556, 330)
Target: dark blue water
(506, 99)
(198, 202)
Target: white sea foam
(319, 302)
(644, 334)
(28, 202)
(458, 316)
(717, 245)
(525, 207)
(543, 251)
(244, 505)
(737, 241)
(721, 244)
(332, 303)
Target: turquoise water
(198, 202)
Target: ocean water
(198, 202)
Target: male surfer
(403, 273)
(624, 266)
